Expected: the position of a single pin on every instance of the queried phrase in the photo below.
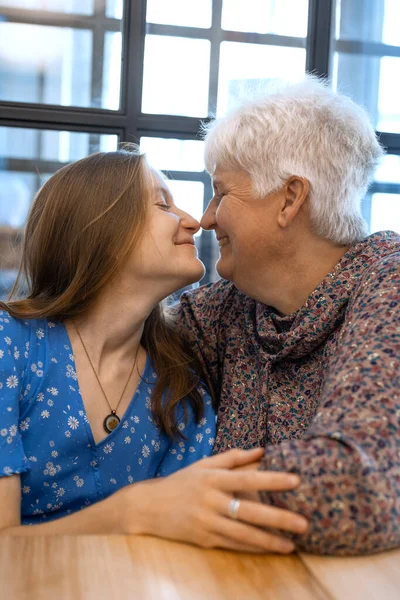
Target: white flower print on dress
(107, 449)
(13, 430)
(45, 414)
(3, 432)
(16, 353)
(40, 397)
(12, 381)
(199, 437)
(145, 451)
(73, 422)
(24, 425)
(127, 440)
(1, 353)
(39, 334)
(53, 391)
(8, 341)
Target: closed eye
(165, 206)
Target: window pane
(371, 21)
(389, 169)
(385, 212)
(27, 159)
(369, 77)
(174, 155)
(188, 196)
(176, 73)
(282, 17)
(115, 9)
(69, 74)
(189, 13)
(372, 82)
(251, 65)
(82, 7)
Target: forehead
(158, 182)
(236, 178)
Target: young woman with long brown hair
(97, 391)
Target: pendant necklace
(112, 419)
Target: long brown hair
(83, 223)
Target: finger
(228, 544)
(253, 481)
(233, 458)
(262, 515)
(252, 536)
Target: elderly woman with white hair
(301, 336)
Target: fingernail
(287, 547)
(294, 479)
(300, 524)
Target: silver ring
(233, 509)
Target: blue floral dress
(46, 437)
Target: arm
(190, 505)
(348, 459)
(199, 317)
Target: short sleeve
(199, 442)
(14, 348)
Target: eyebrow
(165, 193)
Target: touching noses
(189, 223)
(208, 218)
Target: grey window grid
(129, 123)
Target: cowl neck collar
(296, 335)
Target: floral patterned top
(320, 389)
(46, 437)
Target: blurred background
(78, 76)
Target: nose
(188, 222)
(208, 219)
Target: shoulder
(214, 298)
(15, 331)
(382, 273)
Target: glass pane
(282, 17)
(372, 82)
(188, 196)
(115, 9)
(243, 66)
(82, 7)
(27, 159)
(385, 212)
(174, 155)
(68, 74)
(189, 13)
(389, 169)
(176, 73)
(371, 21)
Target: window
(150, 72)
(365, 64)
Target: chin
(225, 271)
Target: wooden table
(143, 568)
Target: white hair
(302, 129)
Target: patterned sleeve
(348, 460)
(13, 350)
(198, 316)
(199, 442)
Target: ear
(293, 194)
